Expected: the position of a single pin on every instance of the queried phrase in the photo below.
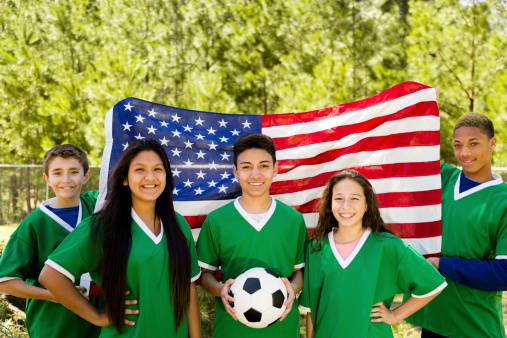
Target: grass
(5, 232)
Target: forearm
(210, 284)
(482, 275)
(63, 289)
(410, 306)
(296, 281)
(309, 326)
(19, 288)
(194, 317)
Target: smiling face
(473, 150)
(348, 204)
(66, 176)
(146, 178)
(255, 172)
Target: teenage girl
(355, 266)
(139, 251)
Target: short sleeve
(304, 297)
(76, 254)
(417, 276)
(19, 256)
(302, 244)
(195, 271)
(208, 251)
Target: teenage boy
(38, 235)
(253, 231)
(474, 240)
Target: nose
(149, 175)
(66, 177)
(256, 172)
(465, 150)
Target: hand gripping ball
(259, 295)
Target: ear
(235, 170)
(125, 182)
(492, 143)
(87, 176)
(46, 178)
(275, 169)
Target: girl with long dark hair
(139, 251)
(355, 266)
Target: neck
(482, 176)
(255, 205)
(346, 235)
(147, 214)
(65, 203)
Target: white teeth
(256, 184)
(149, 186)
(346, 215)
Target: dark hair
(371, 219)
(111, 233)
(65, 151)
(477, 120)
(253, 141)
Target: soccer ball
(258, 295)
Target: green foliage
(64, 64)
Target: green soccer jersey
(147, 276)
(232, 240)
(474, 226)
(36, 237)
(340, 293)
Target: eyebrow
(352, 194)
(247, 162)
(143, 164)
(471, 139)
(56, 169)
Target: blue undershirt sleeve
(481, 275)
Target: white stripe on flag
(425, 213)
(365, 158)
(411, 124)
(425, 246)
(383, 109)
(196, 208)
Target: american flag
(392, 138)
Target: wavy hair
(371, 219)
(112, 236)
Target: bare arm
(392, 317)
(69, 296)
(194, 317)
(19, 288)
(210, 284)
(309, 326)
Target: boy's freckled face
(473, 150)
(66, 177)
(255, 172)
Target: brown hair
(371, 219)
(253, 141)
(477, 120)
(65, 151)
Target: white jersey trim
(147, 231)
(501, 257)
(438, 289)
(5, 279)
(196, 277)
(345, 262)
(299, 266)
(61, 270)
(61, 222)
(207, 266)
(497, 179)
(256, 225)
(304, 308)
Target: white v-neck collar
(345, 262)
(147, 231)
(257, 225)
(497, 179)
(44, 208)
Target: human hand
(435, 261)
(290, 298)
(104, 320)
(380, 313)
(227, 298)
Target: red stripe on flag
(371, 172)
(337, 133)
(418, 138)
(417, 230)
(195, 222)
(345, 108)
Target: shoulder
(222, 211)
(287, 210)
(32, 221)
(183, 223)
(448, 172)
(389, 242)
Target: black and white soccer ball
(258, 295)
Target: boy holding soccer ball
(255, 230)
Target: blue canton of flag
(198, 144)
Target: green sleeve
(208, 251)
(76, 254)
(304, 297)
(195, 271)
(88, 200)
(417, 276)
(18, 257)
(302, 244)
